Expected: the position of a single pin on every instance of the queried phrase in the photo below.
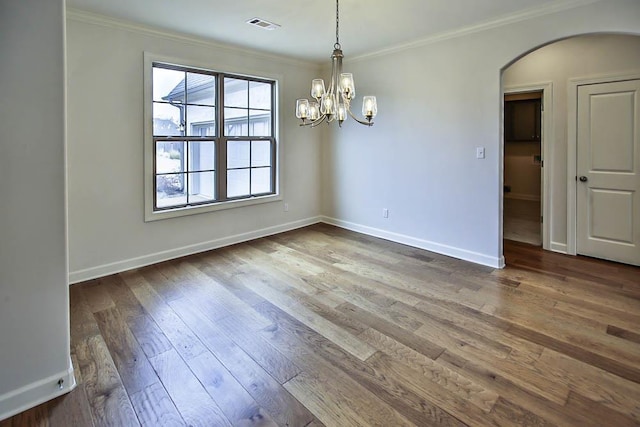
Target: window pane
(170, 157)
(166, 120)
(201, 89)
(236, 93)
(259, 123)
(202, 187)
(202, 156)
(237, 183)
(260, 95)
(168, 84)
(236, 122)
(260, 153)
(237, 154)
(201, 121)
(170, 190)
(260, 180)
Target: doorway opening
(523, 163)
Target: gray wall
(437, 102)
(34, 307)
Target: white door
(608, 193)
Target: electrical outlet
(385, 213)
(286, 207)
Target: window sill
(195, 210)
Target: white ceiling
(308, 26)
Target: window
(212, 138)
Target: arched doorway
(558, 69)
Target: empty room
(320, 213)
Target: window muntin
(249, 168)
(204, 154)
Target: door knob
(584, 179)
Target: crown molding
(121, 24)
(531, 13)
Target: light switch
(480, 152)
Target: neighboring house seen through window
(213, 137)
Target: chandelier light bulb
(369, 107)
(328, 105)
(317, 88)
(302, 108)
(342, 113)
(314, 111)
(347, 86)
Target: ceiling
(308, 26)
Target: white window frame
(149, 173)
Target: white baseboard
(463, 254)
(36, 393)
(128, 264)
(521, 196)
(559, 247)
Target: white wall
(577, 57)
(34, 302)
(107, 232)
(437, 102)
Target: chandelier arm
(362, 122)
(319, 121)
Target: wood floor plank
(154, 407)
(277, 365)
(293, 337)
(266, 391)
(599, 413)
(463, 387)
(592, 382)
(335, 405)
(399, 334)
(194, 403)
(513, 397)
(70, 410)
(413, 380)
(234, 401)
(181, 337)
(333, 332)
(623, 333)
(221, 295)
(97, 296)
(110, 404)
(130, 361)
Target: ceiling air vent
(266, 25)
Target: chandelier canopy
(334, 103)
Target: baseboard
(520, 196)
(559, 247)
(36, 393)
(124, 265)
(463, 254)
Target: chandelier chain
(337, 23)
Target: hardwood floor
(322, 326)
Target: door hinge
(541, 219)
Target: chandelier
(334, 103)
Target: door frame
(572, 147)
(546, 138)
